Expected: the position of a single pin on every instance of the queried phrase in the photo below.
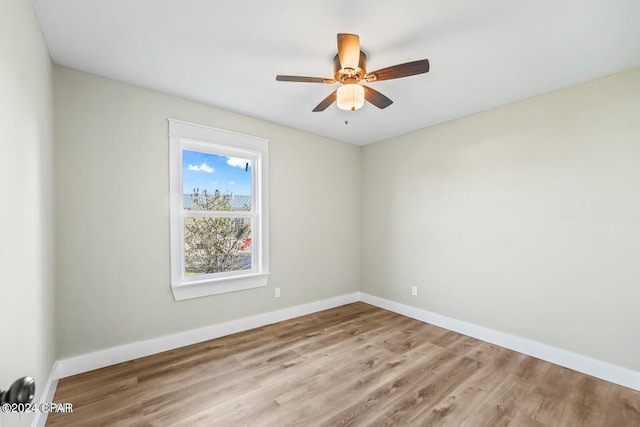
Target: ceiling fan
(350, 68)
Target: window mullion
(218, 214)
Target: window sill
(219, 286)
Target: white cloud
(204, 167)
(238, 163)
(232, 182)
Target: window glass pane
(215, 182)
(216, 245)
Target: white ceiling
(483, 54)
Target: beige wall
(26, 223)
(112, 205)
(525, 219)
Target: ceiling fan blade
(400, 70)
(326, 102)
(376, 98)
(303, 79)
(349, 50)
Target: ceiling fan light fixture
(350, 97)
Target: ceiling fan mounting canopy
(350, 68)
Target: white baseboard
(123, 353)
(587, 365)
(111, 356)
(48, 392)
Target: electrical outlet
(277, 293)
(414, 291)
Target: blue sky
(214, 172)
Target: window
(219, 213)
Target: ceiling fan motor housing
(350, 75)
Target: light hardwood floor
(352, 365)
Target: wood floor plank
(419, 401)
(623, 408)
(585, 407)
(354, 365)
(379, 383)
(464, 400)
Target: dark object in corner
(21, 391)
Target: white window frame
(194, 137)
